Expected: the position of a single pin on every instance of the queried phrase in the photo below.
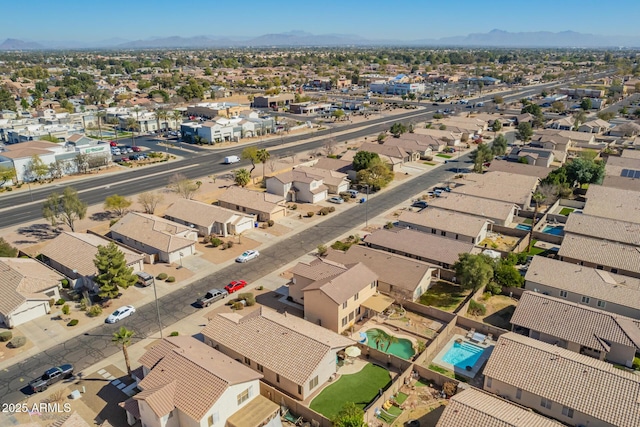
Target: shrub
(5, 336)
(52, 302)
(270, 223)
(17, 342)
(66, 309)
(264, 226)
(345, 196)
(340, 246)
(388, 225)
(322, 249)
(260, 288)
(332, 209)
(294, 207)
(65, 283)
(486, 296)
(174, 334)
(73, 322)
(161, 276)
(494, 288)
(449, 388)
(237, 306)
(215, 242)
(170, 279)
(229, 244)
(60, 301)
(310, 214)
(476, 308)
(324, 211)
(94, 311)
(636, 363)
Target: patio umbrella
(353, 351)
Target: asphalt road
(88, 349)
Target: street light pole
(155, 294)
(366, 209)
(28, 182)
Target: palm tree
(122, 338)
(391, 340)
(100, 115)
(177, 116)
(380, 337)
(537, 198)
(262, 156)
(132, 124)
(161, 116)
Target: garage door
(28, 314)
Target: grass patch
(401, 397)
(447, 373)
(360, 388)
(566, 211)
(444, 156)
(535, 251)
(429, 163)
(528, 221)
(636, 363)
(445, 296)
(422, 383)
(389, 415)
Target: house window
(545, 403)
(586, 300)
(247, 361)
(443, 233)
(344, 321)
(599, 267)
(344, 305)
(519, 394)
(243, 397)
(260, 368)
(313, 383)
(299, 389)
(433, 231)
(277, 378)
(458, 236)
(614, 270)
(488, 381)
(356, 296)
(563, 294)
(567, 412)
(601, 304)
(351, 315)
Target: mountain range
(493, 38)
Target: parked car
(235, 286)
(212, 296)
(113, 143)
(419, 204)
(447, 189)
(336, 200)
(144, 279)
(248, 256)
(121, 313)
(353, 193)
(51, 376)
(136, 149)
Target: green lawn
(444, 156)
(566, 211)
(401, 397)
(420, 383)
(445, 296)
(360, 388)
(528, 221)
(534, 250)
(429, 163)
(391, 414)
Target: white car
(247, 256)
(336, 200)
(120, 314)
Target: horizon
(146, 20)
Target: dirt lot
(500, 308)
(218, 255)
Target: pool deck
(488, 348)
(356, 335)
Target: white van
(231, 159)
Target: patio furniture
(488, 339)
(478, 337)
(471, 332)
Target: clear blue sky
(374, 19)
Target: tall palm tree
(161, 116)
(177, 116)
(132, 124)
(262, 156)
(391, 340)
(122, 338)
(100, 115)
(537, 197)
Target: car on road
(335, 199)
(235, 286)
(50, 377)
(248, 256)
(121, 313)
(435, 103)
(212, 296)
(419, 204)
(113, 143)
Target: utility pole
(155, 294)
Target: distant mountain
(494, 38)
(15, 44)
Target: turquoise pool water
(403, 348)
(523, 227)
(462, 355)
(555, 230)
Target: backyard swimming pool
(523, 227)
(403, 348)
(555, 230)
(462, 355)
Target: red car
(136, 149)
(235, 286)
(113, 143)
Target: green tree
(531, 108)
(24, 104)
(473, 271)
(6, 250)
(525, 132)
(363, 160)
(480, 156)
(118, 204)
(496, 126)
(579, 118)
(584, 171)
(586, 104)
(113, 273)
(7, 101)
(606, 115)
(242, 177)
(36, 168)
(398, 129)
(623, 111)
(64, 208)
(338, 114)
(251, 154)
(7, 174)
(498, 99)
(349, 416)
(122, 339)
(100, 115)
(132, 125)
(558, 107)
(262, 155)
(376, 176)
(507, 275)
(381, 137)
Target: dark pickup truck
(212, 296)
(50, 377)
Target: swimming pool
(462, 355)
(403, 348)
(555, 230)
(523, 227)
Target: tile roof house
(588, 286)
(333, 294)
(424, 145)
(394, 156)
(72, 254)
(604, 228)
(338, 165)
(498, 212)
(26, 286)
(576, 327)
(264, 205)
(623, 183)
(293, 354)
(421, 246)
(594, 126)
(500, 186)
(336, 182)
(188, 383)
(558, 383)
(626, 167)
(165, 240)
(617, 258)
(449, 224)
(612, 203)
(398, 276)
(298, 186)
(540, 157)
(477, 408)
(209, 219)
